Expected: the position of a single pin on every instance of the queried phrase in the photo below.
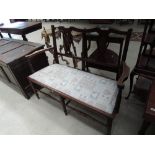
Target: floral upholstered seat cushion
(93, 90)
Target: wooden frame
(141, 68)
(149, 114)
(103, 38)
(13, 64)
(64, 98)
(20, 28)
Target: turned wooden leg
(131, 83)
(9, 35)
(144, 127)
(34, 90)
(24, 38)
(109, 126)
(63, 105)
(1, 35)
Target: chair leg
(144, 127)
(63, 105)
(131, 83)
(109, 126)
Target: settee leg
(34, 90)
(63, 105)
(109, 126)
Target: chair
(100, 95)
(145, 65)
(107, 59)
(148, 39)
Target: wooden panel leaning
(97, 94)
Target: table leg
(9, 35)
(24, 37)
(6, 76)
(144, 127)
(1, 35)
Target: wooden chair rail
(39, 52)
(96, 29)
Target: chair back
(72, 36)
(126, 35)
(146, 51)
(106, 58)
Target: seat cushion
(92, 90)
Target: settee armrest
(124, 76)
(29, 56)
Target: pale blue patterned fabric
(94, 90)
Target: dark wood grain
(14, 65)
(21, 28)
(149, 114)
(145, 65)
(68, 45)
(107, 59)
